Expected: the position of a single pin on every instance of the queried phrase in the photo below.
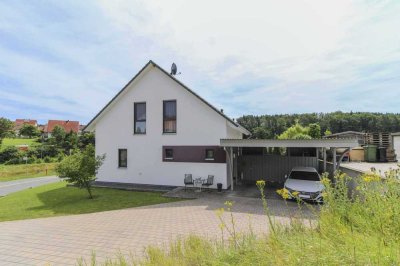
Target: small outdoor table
(198, 182)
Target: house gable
(149, 67)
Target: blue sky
(66, 59)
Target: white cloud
(286, 56)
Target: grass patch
(57, 199)
(18, 141)
(21, 171)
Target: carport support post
(229, 155)
(231, 167)
(324, 155)
(334, 160)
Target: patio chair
(209, 182)
(188, 180)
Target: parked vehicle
(305, 181)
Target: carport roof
(291, 143)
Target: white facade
(198, 124)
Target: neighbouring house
(67, 125)
(360, 136)
(382, 140)
(156, 130)
(19, 123)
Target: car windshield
(303, 175)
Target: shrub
(81, 168)
(10, 153)
(47, 159)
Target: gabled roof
(346, 133)
(66, 125)
(151, 63)
(20, 122)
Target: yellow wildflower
(326, 181)
(260, 184)
(371, 177)
(220, 211)
(295, 194)
(228, 203)
(283, 192)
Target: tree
(327, 132)
(81, 168)
(85, 139)
(58, 135)
(294, 132)
(5, 126)
(314, 130)
(29, 131)
(260, 133)
(70, 142)
(335, 122)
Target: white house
(156, 130)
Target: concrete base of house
(133, 187)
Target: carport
(252, 168)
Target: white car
(307, 182)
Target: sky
(67, 59)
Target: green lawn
(20, 171)
(17, 141)
(57, 199)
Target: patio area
(247, 191)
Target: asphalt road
(21, 184)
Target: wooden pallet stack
(382, 139)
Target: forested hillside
(270, 126)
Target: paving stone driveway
(61, 240)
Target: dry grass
(20, 171)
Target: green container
(370, 153)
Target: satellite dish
(174, 69)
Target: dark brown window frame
(119, 158)
(135, 119)
(165, 154)
(213, 155)
(176, 114)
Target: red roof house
(20, 122)
(67, 125)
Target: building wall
(197, 125)
(396, 146)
